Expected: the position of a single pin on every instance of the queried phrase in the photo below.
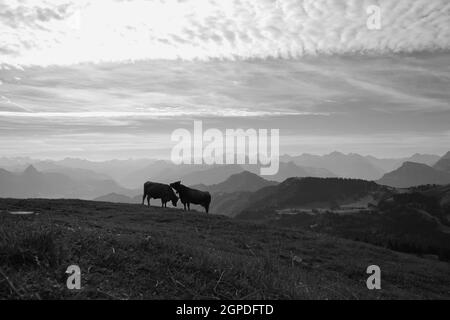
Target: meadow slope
(129, 251)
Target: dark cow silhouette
(159, 191)
(188, 196)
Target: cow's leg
(184, 204)
(189, 206)
(207, 208)
(162, 203)
(143, 199)
(148, 201)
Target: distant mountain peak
(242, 181)
(30, 170)
(244, 173)
(244, 176)
(412, 174)
(443, 163)
(291, 164)
(412, 164)
(336, 153)
(446, 156)
(114, 194)
(3, 171)
(117, 198)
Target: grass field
(133, 252)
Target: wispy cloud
(310, 67)
(319, 103)
(71, 31)
(156, 113)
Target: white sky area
(110, 78)
(71, 31)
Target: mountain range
(348, 166)
(32, 183)
(243, 181)
(119, 198)
(112, 169)
(388, 165)
(415, 174)
(91, 179)
(444, 163)
(166, 172)
(356, 166)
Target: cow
(159, 191)
(188, 196)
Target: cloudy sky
(112, 79)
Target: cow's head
(174, 199)
(176, 185)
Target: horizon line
(92, 159)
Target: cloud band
(66, 32)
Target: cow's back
(156, 190)
(197, 196)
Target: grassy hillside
(412, 221)
(298, 192)
(131, 252)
